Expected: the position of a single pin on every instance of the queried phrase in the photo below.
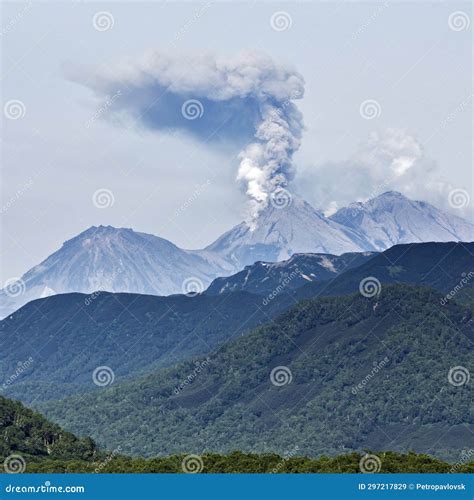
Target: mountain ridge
(133, 333)
(280, 232)
(123, 260)
(266, 277)
(116, 260)
(391, 218)
(323, 349)
(447, 267)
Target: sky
(387, 104)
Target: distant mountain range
(444, 266)
(448, 267)
(116, 260)
(122, 260)
(69, 335)
(378, 224)
(278, 233)
(269, 278)
(391, 218)
(329, 376)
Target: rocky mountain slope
(280, 232)
(122, 260)
(115, 260)
(269, 278)
(392, 218)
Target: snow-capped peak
(115, 260)
(278, 233)
(123, 260)
(392, 218)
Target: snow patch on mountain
(392, 218)
(115, 260)
(279, 277)
(122, 260)
(278, 233)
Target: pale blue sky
(405, 56)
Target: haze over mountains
(116, 260)
(122, 260)
(69, 335)
(278, 233)
(391, 218)
(192, 374)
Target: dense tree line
(29, 434)
(238, 462)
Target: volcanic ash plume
(246, 100)
(266, 163)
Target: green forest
(238, 462)
(329, 345)
(38, 446)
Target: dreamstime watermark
(192, 109)
(369, 21)
(369, 464)
(108, 103)
(281, 21)
(14, 464)
(281, 375)
(281, 286)
(462, 106)
(198, 191)
(459, 198)
(466, 457)
(287, 456)
(103, 21)
(107, 460)
(103, 376)
(10, 26)
(198, 13)
(459, 21)
(91, 297)
(21, 367)
(14, 109)
(47, 487)
(281, 198)
(373, 193)
(100, 289)
(466, 278)
(370, 287)
(18, 194)
(103, 198)
(370, 109)
(192, 464)
(458, 376)
(192, 286)
(279, 111)
(192, 376)
(378, 365)
(14, 287)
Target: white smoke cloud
(246, 100)
(391, 159)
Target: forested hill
(29, 443)
(28, 434)
(331, 375)
(446, 267)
